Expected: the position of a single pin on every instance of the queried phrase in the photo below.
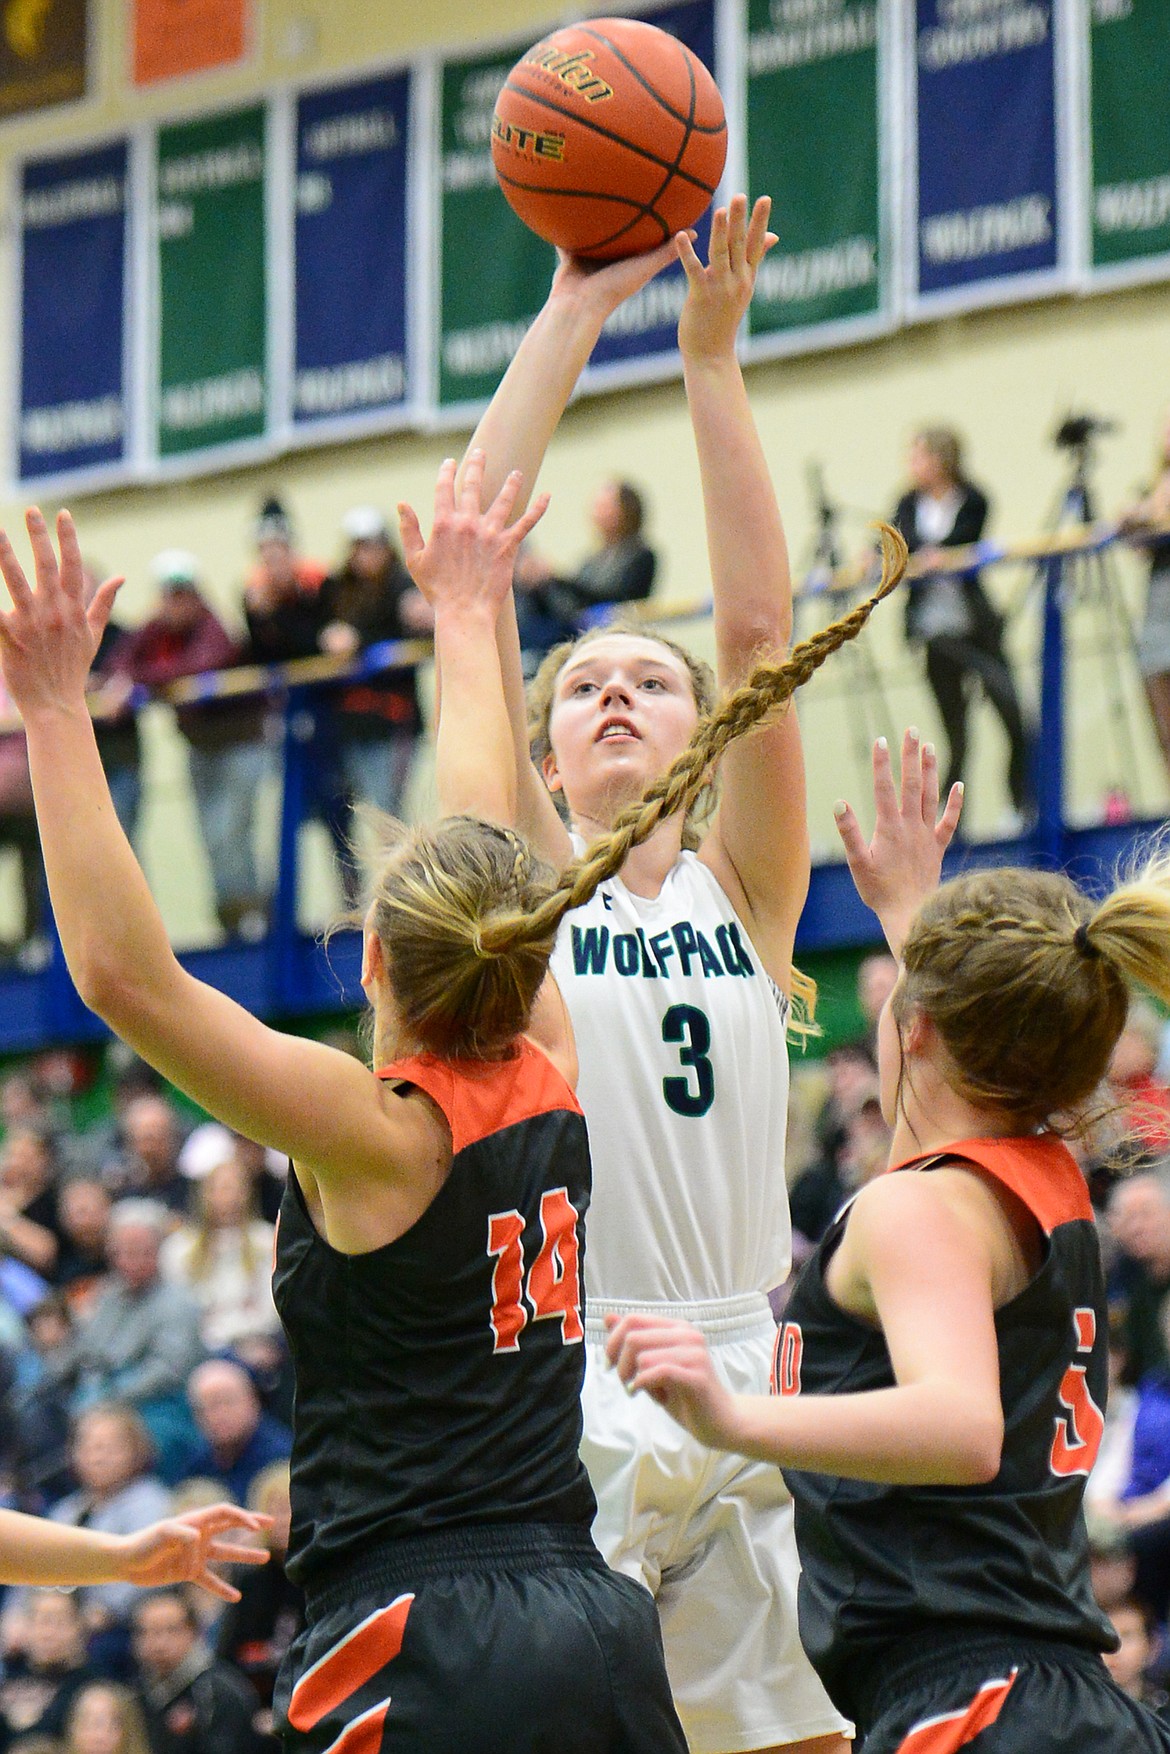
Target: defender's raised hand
(719, 293)
(900, 866)
(48, 637)
(469, 556)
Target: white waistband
(720, 1318)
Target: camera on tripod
(1075, 431)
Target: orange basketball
(608, 137)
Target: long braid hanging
(753, 704)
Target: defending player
(941, 1370)
(678, 976)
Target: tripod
(869, 709)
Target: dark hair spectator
(30, 1223)
(193, 1702)
(281, 593)
(621, 568)
(106, 1719)
(40, 1682)
(148, 1162)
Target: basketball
(608, 137)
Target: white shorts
(711, 1537)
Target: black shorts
(514, 1640)
(1005, 1696)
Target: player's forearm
(745, 535)
(110, 929)
(33, 1551)
(917, 1434)
(475, 770)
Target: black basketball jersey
(438, 1378)
(884, 1562)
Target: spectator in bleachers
(18, 830)
(376, 722)
(1154, 640)
(1143, 1100)
(950, 614)
(1130, 1665)
(550, 605)
(148, 1163)
(84, 1204)
(41, 1430)
(1139, 1217)
(194, 1703)
(115, 724)
(30, 1223)
(117, 1494)
(106, 1719)
(40, 1682)
(240, 1438)
(224, 1259)
(281, 594)
(227, 757)
(141, 1341)
(22, 1101)
(255, 1632)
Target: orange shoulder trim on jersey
(482, 1097)
(1041, 1171)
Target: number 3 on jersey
(687, 1026)
(1081, 1424)
(554, 1281)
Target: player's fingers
(234, 1553)
(884, 794)
(18, 586)
(72, 580)
(687, 255)
(217, 1586)
(717, 249)
(757, 231)
(472, 482)
(929, 784)
(44, 556)
(528, 520)
(849, 829)
(737, 232)
(101, 608)
(911, 799)
(949, 821)
(500, 510)
(410, 533)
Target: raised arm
(758, 842)
(314, 1103)
(465, 571)
(514, 433)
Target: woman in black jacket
(950, 613)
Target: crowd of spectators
(142, 1371)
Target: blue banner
(73, 399)
(351, 251)
(647, 324)
(988, 213)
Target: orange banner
(173, 37)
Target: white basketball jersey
(684, 1084)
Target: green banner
(812, 144)
(1129, 62)
(212, 387)
(494, 272)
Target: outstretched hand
(719, 294)
(671, 1362)
(901, 865)
(184, 1548)
(470, 554)
(48, 638)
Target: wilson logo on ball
(609, 137)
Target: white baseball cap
(365, 523)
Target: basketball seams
(619, 54)
(629, 146)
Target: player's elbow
(979, 1451)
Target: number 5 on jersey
(554, 1281)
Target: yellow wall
(1005, 378)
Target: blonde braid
(760, 699)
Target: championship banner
(1129, 55)
(73, 400)
(174, 37)
(647, 324)
(351, 251)
(812, 144)
(212, 377)
(988, 224)
(493, 272)
(44, 51)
